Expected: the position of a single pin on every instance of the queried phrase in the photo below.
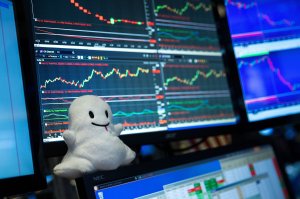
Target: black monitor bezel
(85, 185)
(245, 123)
(36, 181)
(59, 148)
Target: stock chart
(93, 22)
(196, 92)
(266, 45)
(189, 39)
(130, 88)
(157, 63)
(194, 77)
(260, 20)
(270, 80)
(186, 11)
(185, 25)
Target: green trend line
(144, 112)
(196, 108)
(55, 110)
(55, 117)
(191, 36)
(181, 11)
(185, 35)
(188, 102)
(117, 114)
(196, 77)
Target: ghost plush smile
(102, 125)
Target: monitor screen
(251, 173)
(158, 63)
(265, 36)
(15, 147)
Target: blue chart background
(156, 183)
(15, 150)
(247, 20)
(259, 81)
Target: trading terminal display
(246, 174)
(266, 42)
(15, 145)
(158, 63)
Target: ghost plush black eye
(106, 113)
(91, 114)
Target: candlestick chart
(92, 21)
(124, 78)
(91, 13)
(194, 77)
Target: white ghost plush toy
(92, 140)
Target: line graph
(126, 126)
(187, 10)
(187, 6)
(101, 18)
(131, 75)
(199, 107)
(194, 36)
(94, 22)
(91, 12)
(183, 111)
(104, 76)
(271, 84)
(187, 38)
(198, 74)
(140, 124)
(272, 68)
(68, 100)
(272, 22)
(135, 115)
(128, 86)
(88, 38)
(252, 21)
(55, 116)
(143, 112)
(240, 4)
(139, 115)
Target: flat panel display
(158, 63)
(15, 146)
(245, 174)
(265, 35)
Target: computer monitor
(19, 171)
(158, 63)
(226, 173)
(265, 36)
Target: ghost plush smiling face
(92, 116)
(89, 111)
(92, 139)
